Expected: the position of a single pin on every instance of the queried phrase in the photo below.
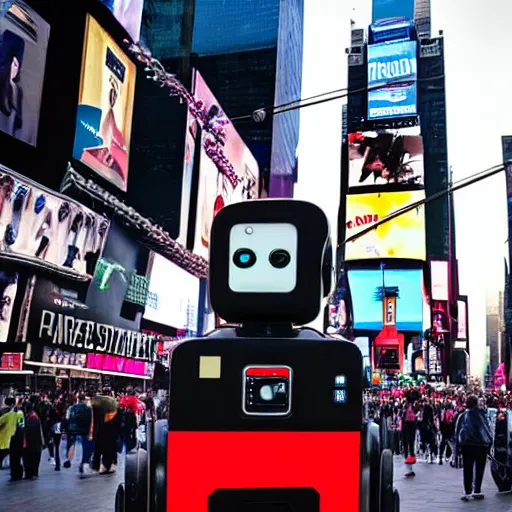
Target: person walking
(7, 428)
(447, 428)
(34, 442)
(473, 436)
(78, 426)
(409, 426)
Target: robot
(267, 416)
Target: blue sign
(366, 295)
(382, 9)
(392, 74)
(393, 101)
(391, 62)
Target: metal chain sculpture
(212, 126)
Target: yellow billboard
(402, 237)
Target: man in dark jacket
(78, 426)
(473, 436)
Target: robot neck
(267, 330)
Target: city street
(435, 488)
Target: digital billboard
(128, 13)
(439, 276)
(392, 74)
(386, 159)
(366, 294)
(104, 119)
(215, 190)
(24, 39)
(383, 9)
(8, 290)
(41, 225)
(462, 319)
(173, 298)
(401, 237)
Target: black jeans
(474, 459)
(56, 449)
(409, 433)
(31, 461)
(105, 449)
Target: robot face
(263, 258)
(270, 261)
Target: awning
(88, 370)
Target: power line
(260, 114)
(470, 180)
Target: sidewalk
(439, 488)
(61, 491)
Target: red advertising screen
(11, 361)
(116, 364)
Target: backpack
(410, 415)
(448, 416)
(79, 419)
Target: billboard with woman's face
(105, 106)
(23, 44)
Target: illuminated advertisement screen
(386, 158)
(382, 9)
(392, 74)
(128, 13)
(23, 43)
(39, 225)
(462, 328)
(401, 237)
(104, 120)
(173, 297)
(215, 189)
(366, 293)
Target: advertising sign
(386, 159)
(24, 39)
(8, 289)
(11, 362)
(105, 106)
(173, 298)
(215, 190)
(439, 280)
(366, 296)
(389, 311)
(37, 223)
(462, 325)
(392, 74)
(401, 237)
(440, 316)
(59, 319)
(383, 9)
(118, 364)
(128, 13)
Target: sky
(479, 112)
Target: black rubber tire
(136, 477)
(385, 440)
(159, 463)
(501, 478)
(396, 497)
(120, 497)
(374, 453)
(386, 491)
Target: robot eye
(279, 258)
(244, 258)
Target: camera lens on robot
(244, 258)
(279, 258)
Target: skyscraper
(422, 18)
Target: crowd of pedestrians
(104, 424)
(451, 425)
